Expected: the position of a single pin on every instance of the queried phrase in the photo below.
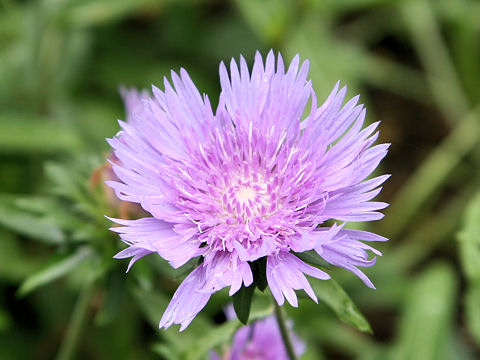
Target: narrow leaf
(114, 296)
(28, 224)
(152, 304)
(242, 301)
(54, 271)
(469, 242)
(333, 295)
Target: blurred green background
(416, 64)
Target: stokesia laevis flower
(132, 100)
(261, 340)
(248, 182)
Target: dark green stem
(280, 315)
(69, 344)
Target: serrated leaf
(242, 301)
(54, 271)
(61, 176)
(333, 295)
(52, 211)
(71, 181)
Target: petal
(160, 130)
(345, 250)
(269, 98)
(155, 235)
(133, 102)
(134, 252)
(226, 269)
(187, 301)
(285, 273)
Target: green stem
(67, 348)
(280, 315)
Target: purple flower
(248, 181)
(261, 340)
(132, 100)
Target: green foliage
(426, 323)
(217, 336)
(20, 133)
(337, 299)
(469, 243)
(13, 217)
(53, 271)
(416, 65)
(242, 301)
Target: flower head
(249, 181)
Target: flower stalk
(287, 341)
(69, 344)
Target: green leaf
(261, 306)
(472, 301)
(29, 133)
(50, 210)
(71, 181)
(469, 242)
(28, 224)
(242, 301)
(15, 263)
(332, 294)
(91, 12)
(114, 296)
(152, 304)
(269, 18)
(65, 180)
(54, 271)
(428, 313)
(260, 273)
(167, 352)
(312, 258)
